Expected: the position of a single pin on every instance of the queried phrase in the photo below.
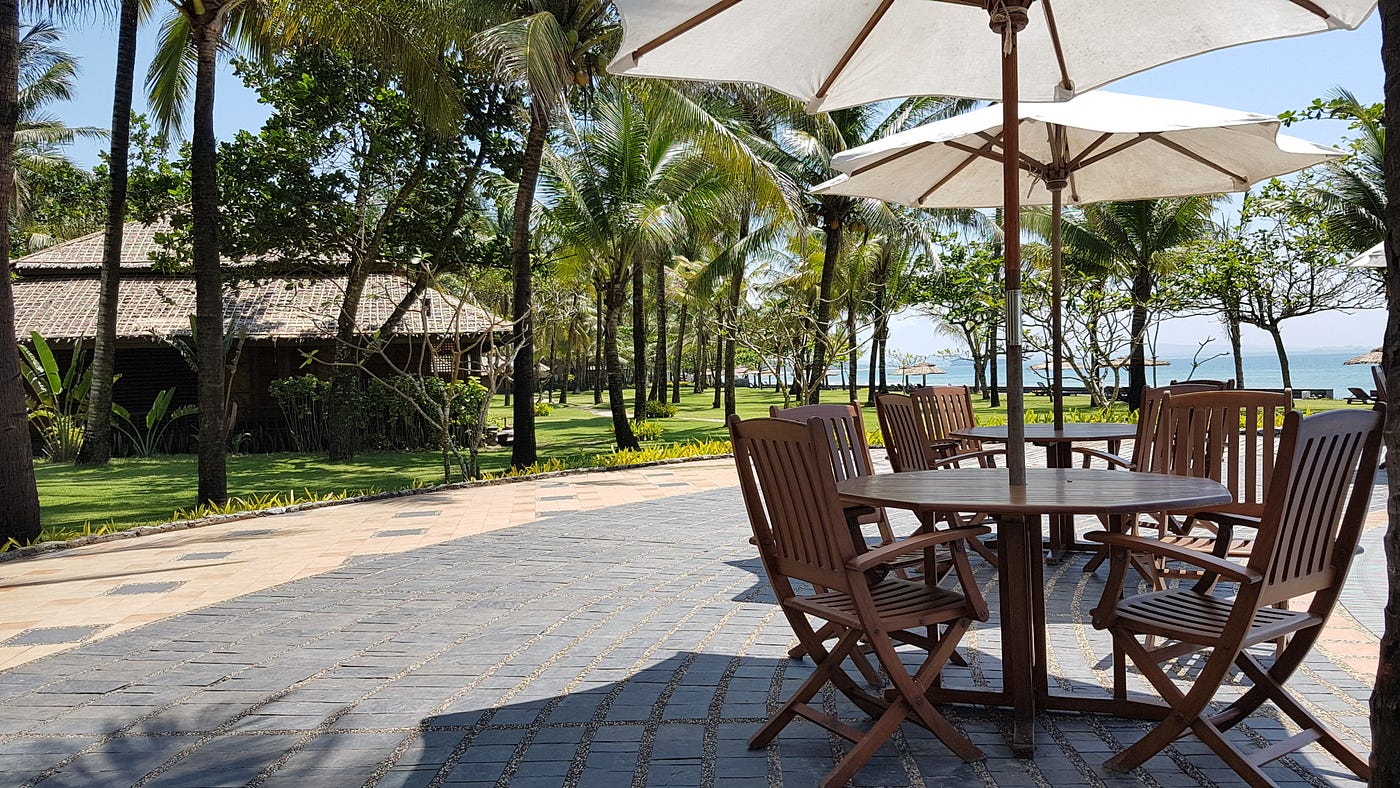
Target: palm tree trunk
(853, 355)
(209, 297)
(524, 451)
(639, 343)
(658, 383)
(345, 380)
(622, 428)
(598, 345)
(19, 517)
(736, 294)
(97, 435)
(569, 353)
(834, 226)
(719, 356)
(553, 360)
(680, 354)
(1385, 695)
(702, 349)
(1137, 369)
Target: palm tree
(19, 517)
(192, 38)
(811, 141)
(624, 187)
(1135, 238)
(1351, 195)
(550, 49)
(47, 74)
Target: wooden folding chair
(910, 447)
(942, 410)
(1306, 539)
(1228, 436)
(789, 489)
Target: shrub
(656, 409)
(543, 408)
(643, 430)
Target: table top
(1047, 491)
(1046, 433)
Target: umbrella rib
(888, 159)
(1065, 81)
(855, 46)
(1077, 161)
(1199, 159)
(952, 174)
(684, 27)
(1079, 165)
(1308, 5)
(1027, 163)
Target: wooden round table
(1066, 491)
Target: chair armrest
(891, 551)
(1113, 460)
(979, 456)
(1226, 519)
(1206, 561)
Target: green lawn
(134, 491)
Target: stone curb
(42, 548)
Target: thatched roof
(57, 295)
(1372, 357)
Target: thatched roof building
(280, 319)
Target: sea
(1310, 369)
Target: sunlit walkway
(620, 633)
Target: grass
(131, 492)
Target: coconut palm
(1350, 196)
(19, 517)
(47, 74)
(810, 141)
(549, 48)
(1136, 239)
(627, 183)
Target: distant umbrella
(1127, 360)
(1373, 357)
(922, 369)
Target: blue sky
(1267, 77)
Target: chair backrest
(850, 451)
(945, 409)
(1228, 435)
(906, 443)
(1309, 530)
(1145, 438)
(1378, 375)
(789, 489)
(1213, 385)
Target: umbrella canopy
(841, 53)
(1098, 146)
(921, 368)
(1104, 146)
(1371, 258)
(1373, 357)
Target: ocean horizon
(1310, 369)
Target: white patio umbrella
(1099, 146)
(842, 53)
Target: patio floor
(617, 633)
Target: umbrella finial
(1009, 17)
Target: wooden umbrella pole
(1008, 19)
(1057, 300)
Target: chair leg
(828, 664)
(913, 689)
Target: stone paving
(606, 629)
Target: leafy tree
(958, 295)
(1277, 265)
(63, 202)
(19, 517)
(348, 176)
(192, 38)
(1350, 196)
